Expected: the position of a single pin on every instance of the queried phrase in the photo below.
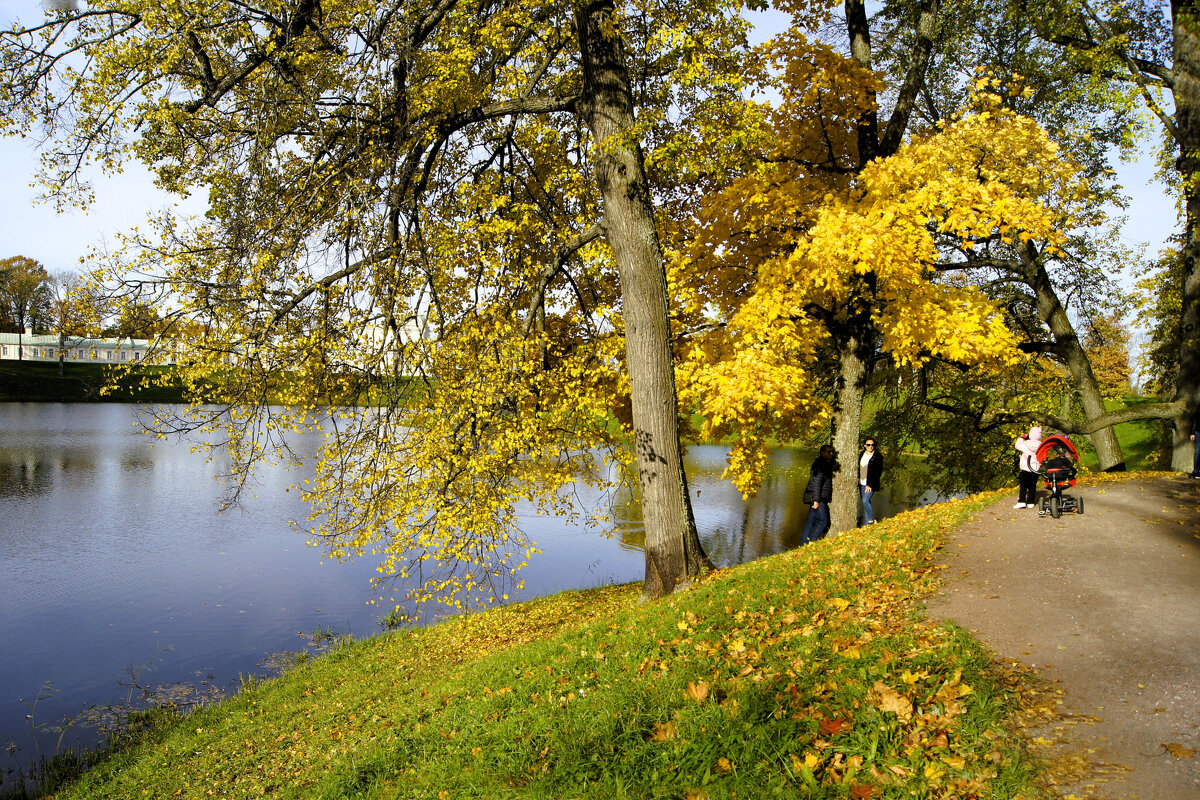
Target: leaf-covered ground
(809, 674)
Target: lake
(119, 574)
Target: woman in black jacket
(820, 489)
(870, 471)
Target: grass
(809, 674)
(33, 381)
(1141, 442)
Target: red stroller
(1058, 458)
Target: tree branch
(564, 253)
(914, 78)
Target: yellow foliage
(795, 249)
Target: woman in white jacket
(1027, 447)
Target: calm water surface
(115, 565)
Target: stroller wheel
(1079, 504)
(1055, 509)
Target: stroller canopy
(1053, 440)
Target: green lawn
(1139, 440)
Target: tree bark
(1185, 17)
(673, 550)
(1079, 366)
(858, 30)
(847, 423)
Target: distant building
(45, 347)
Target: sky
(124, 201)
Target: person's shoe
(1020, 505)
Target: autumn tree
(473, 169)
(73, 311)
(822, 257)
(24, 294)
(1091, 115)
(1106, 340)
(1157, 300)
(135, 320)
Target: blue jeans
(868, 512)
(817, 523)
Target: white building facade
(45, 347)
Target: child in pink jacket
(1027, 447)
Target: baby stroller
(1058, 458)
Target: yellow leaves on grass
(664, 731)
(698, 691)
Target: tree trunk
(1079, 366)
(847, 423)
(1186, 35)
(673, 551)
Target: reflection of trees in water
(25, 472)
(24, 475)
(734, 531)
(137, 458)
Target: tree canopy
(24, 293)
(471, 170)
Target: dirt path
(1107, 606)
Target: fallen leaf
(832, 727)
(860, 791)
(697, 691)
(1179, 751)
(891, 700)
(725, 765)
(664, 731)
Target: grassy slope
(32, 381)
(809, 674)
(1139, 440)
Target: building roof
(51, 340)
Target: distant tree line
(67, 303)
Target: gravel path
(1106, 606)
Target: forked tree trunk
(1186, 34)
(673, 551)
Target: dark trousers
(817, 523)
(1029, 481)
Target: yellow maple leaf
(888, 699)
